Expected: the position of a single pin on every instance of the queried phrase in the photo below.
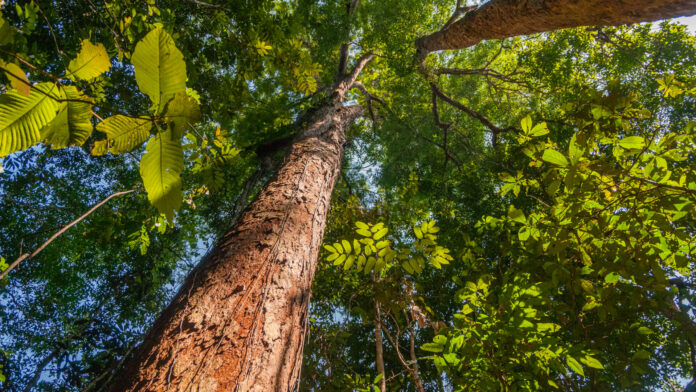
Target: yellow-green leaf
(182, 112)
(632, 143)
(101, 147)
(346, 246)
(380, 234)
(160, 69)
(554, 157)
(125, 133)
(160, 168)
(72, 125)
(574, 365)
(17, 77)
(91, 61)
(21, 118)
(592, 362)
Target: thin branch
(458, 12)
(59, 232)
(495, 130)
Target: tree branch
(25, 256)
(495, 130)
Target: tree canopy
(517, 214)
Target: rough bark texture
(238, 322)
(379, 347)
(508, 18)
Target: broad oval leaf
(160, 69)
(554, 157)
(160, 168)
(91, 61)
(632, 143)
(125, 133)
(21, 118)
(182, 112)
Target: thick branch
(499, 19)
(59, 232)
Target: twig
(24, 256)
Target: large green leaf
(21, 118)
(91, 62)
(160, 69)
(17, 77)
(72, 125)
(160, 168)
(125, 133)
(182, 111)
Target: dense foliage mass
(518, 215)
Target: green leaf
(540, 129)
(125, 133)
(72, 125)
(553, 384)
(340, 260)
(554, 157)
(349, 262)
(380, 233)
(632, 143)
(517, 215)
(330, 248)
(346, 246)
(21, 118)
(17, 77)
(644, 331)
(526, 124)
(592, 362)
(182, 112)
(612, 278)
(160, 69)
(160, 168)
(419, 233)
(362, 225)
(364, 232)
(574, 365)
(91, 61)
(432, 347)
(6, 32)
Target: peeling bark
(499, 19)
(238, 322)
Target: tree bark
(238, 322)
(379, 347)
(499, 19)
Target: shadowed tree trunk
(498, 19)
(238, 322)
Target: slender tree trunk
(414, 359)
(379, 347)
(498, 19)
(238, 322)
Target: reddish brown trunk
(508, 18)
(238, 322)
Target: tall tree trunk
(238, 322)
(498, 19)
(379, 347)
